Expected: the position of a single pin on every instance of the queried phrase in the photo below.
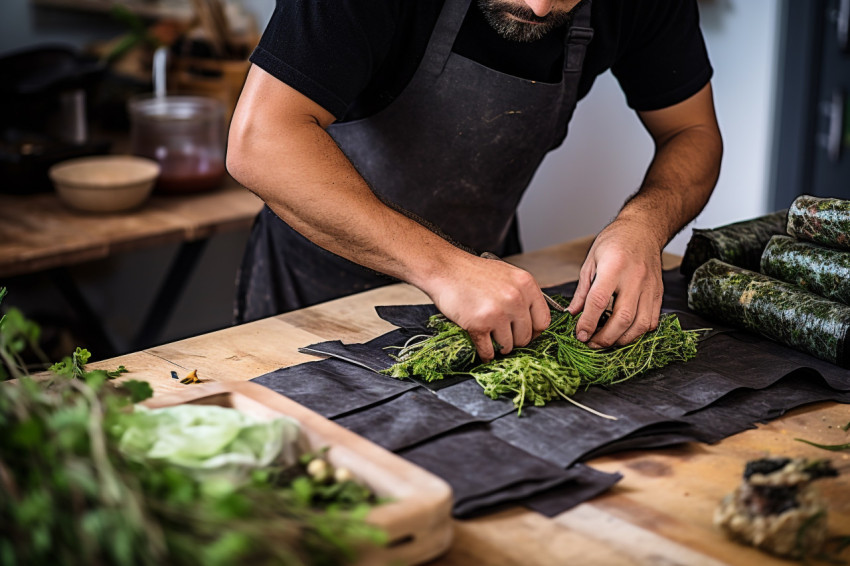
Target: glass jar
(185, 135)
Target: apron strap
(578, 37)
(443, 37)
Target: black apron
(456, 149)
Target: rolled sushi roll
(825, 221)
(741, 243)
(777, 310)
(821, 270)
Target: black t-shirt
(354, 57)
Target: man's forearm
(625, 258)
(678, 183)
(306, 180)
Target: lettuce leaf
(211, 442)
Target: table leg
(103, 345)
(177, 277)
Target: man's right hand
(492, 300)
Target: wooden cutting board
(417, 517)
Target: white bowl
(105, 183)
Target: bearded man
(393, 139)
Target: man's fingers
(648, 313)
(507, 336)
(504, 338)
(521, 331)
(594, 305)
(627, 322)
(540, 317)
(585, 279)
(483, 344)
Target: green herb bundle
(431, 357)
(554, 365)
(528, 376)
(666, 344)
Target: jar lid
(175, 107)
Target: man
(400, 135)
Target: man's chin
(514, 29)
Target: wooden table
(39, 234)
(660, 513)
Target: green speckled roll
(775, 309)
(821, 270)
(824, 221)
(741, 243)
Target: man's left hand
(624, 263)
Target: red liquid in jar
(189, 173)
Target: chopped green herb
(430, 357)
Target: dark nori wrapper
(775, 309)
(824, 221)
(821, 270)
(741, 243)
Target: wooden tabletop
(38, 232)
(660, 513)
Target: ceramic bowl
(105, 183)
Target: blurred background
(781, 78)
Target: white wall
(582, 184)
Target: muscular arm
(625, 258)
(278, 148)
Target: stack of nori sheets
(491, 457)
(801, 294)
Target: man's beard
(496, 12)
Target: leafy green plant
(17, 334)
(69, 495)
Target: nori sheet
(824, 221)
(738, 244)
(333, 387)
(484, 471)
(775, 309)
(821, 270)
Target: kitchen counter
(660, 513)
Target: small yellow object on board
(191, 378)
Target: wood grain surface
(38, 232)
(660, 513)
